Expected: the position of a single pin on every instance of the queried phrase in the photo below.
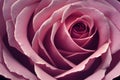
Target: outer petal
(2, 23)
(5, 72)
(115, 72)
(115, 4)
(21, 37)
(10, 62)
(18, 6)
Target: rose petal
(42, 5)
(2, 23)
(63, 37)
(115, 4)
(20, 36)
(98, 75)
(41, 32)
(114, 38)
(8, 59)
(18, 6)
(7, 9)
(1, 58)
(112, 68)
(53, 52)
(42, 75)
(83, 64)
(96, 15)
(5, 72)
(10, 32)
(54, 5)
(114, 16)
(116, 72)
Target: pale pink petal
(98, 75)
(54, 5)
(115, 39)
(20, 29)
(10, 34)
(106, 60)
(42, 4)
(114, 67)
(19, 5)
(83, 64)
(42, 75)
(115, 72)
(115, 4)
(7, 8)
(114, 17)
(21, 36)
(5, 72)
(41, 32)
(10, 62)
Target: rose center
(79, 27)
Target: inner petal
(79, 29)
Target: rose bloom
(59, 39)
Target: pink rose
(59, 39)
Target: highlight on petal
(42, 75)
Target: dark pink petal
(99, 74)
(83, 64)
(52, 50)
(2, 23)
(1, 58)
(63, 37)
